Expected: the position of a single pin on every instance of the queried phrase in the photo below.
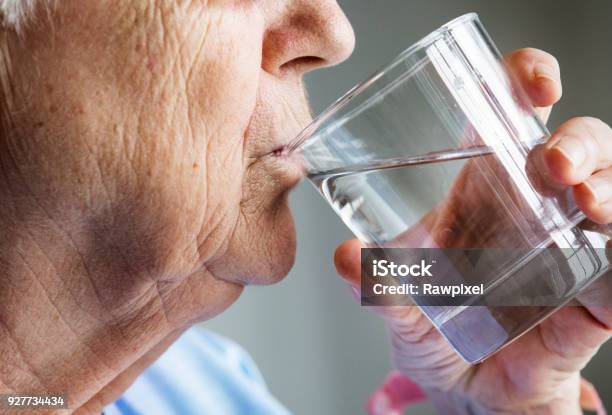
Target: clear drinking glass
(439, 150)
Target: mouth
(281, 151)
(282, 162)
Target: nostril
(303, 63)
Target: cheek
(160, 104)
(196, 71)
(192, 92)
(223, 81)
(202, 82)
(207, 79)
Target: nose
(303, 35)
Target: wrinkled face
(152, 125)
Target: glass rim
(361, 87)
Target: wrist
(452, 403)
(457, 403)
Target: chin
(276, 258)
(263, 251)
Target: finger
(539, 74)
(594, 196)
(348, 261)
(348, 264)
(597, 297)
(570, 338)
(577, 149)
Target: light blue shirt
(200, 374)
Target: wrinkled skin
(135, 197)
(139, 191)
(540, 372)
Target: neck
(65, 327)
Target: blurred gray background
(319, 352)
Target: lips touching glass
(440, 150)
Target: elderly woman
(141, 190)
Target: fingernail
(572, 149)
(541, 70)
(600, 189)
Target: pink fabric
(589, 398)
(396, 393)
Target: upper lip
(280, 135)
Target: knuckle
(603, 219)
(597, 124)
(592, 121)
(534, 54)
(526, 52)
(582, 127)
(552, 60)
(596, 131)
(601, 215)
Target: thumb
(348, 262)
